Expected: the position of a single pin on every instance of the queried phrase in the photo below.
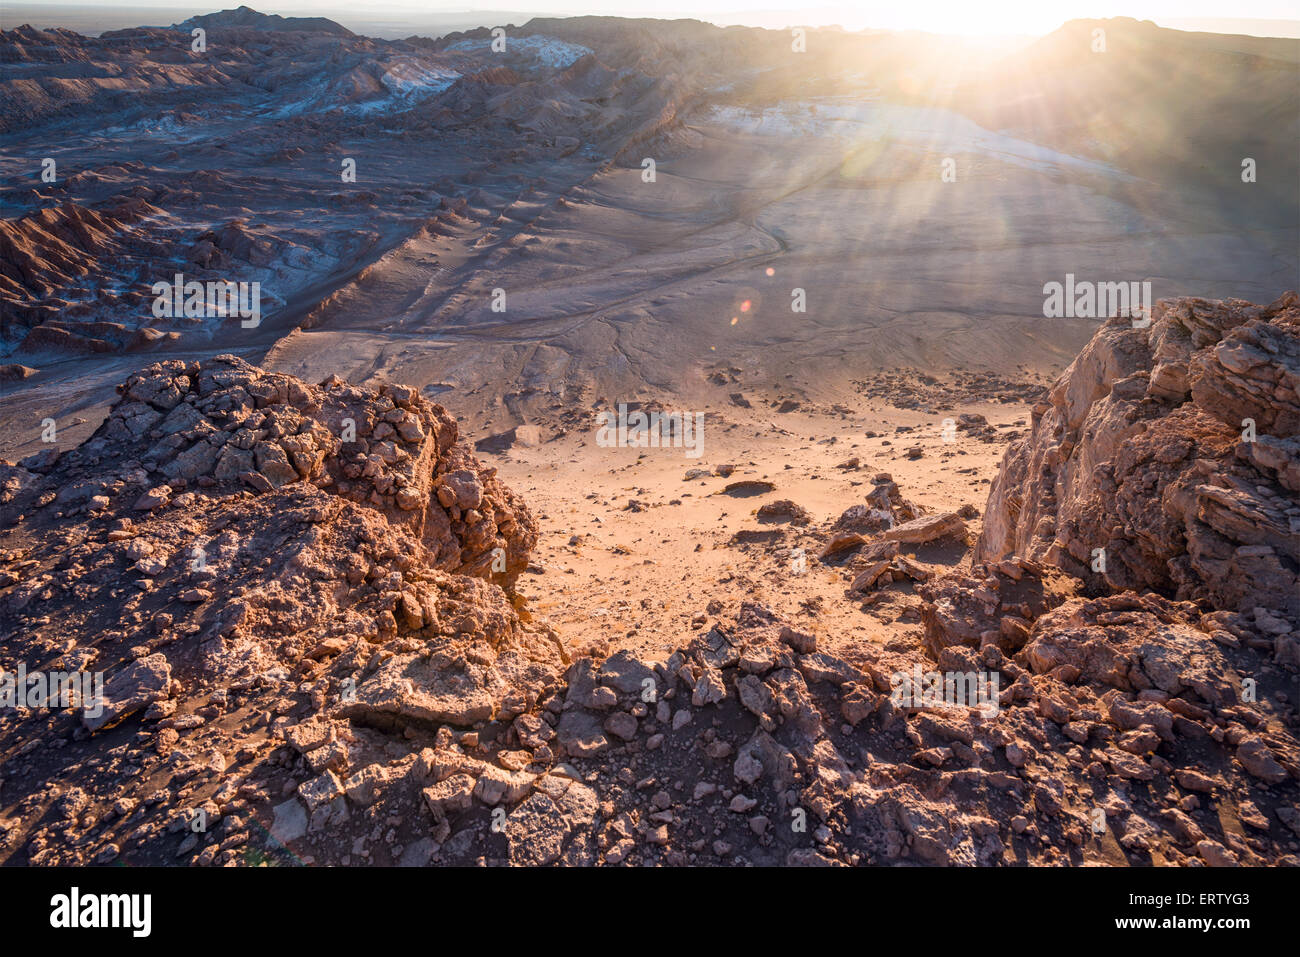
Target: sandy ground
(644, 577)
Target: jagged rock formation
(225, 425)
(227, 530)
(262, 522)
(50, 250)
(1139, 450)
(1144, 449)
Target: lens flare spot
(744, 306)
(735, 319)
(770, 271)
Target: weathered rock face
(1134, 644)
(1143, 449)
(257, 523)
(324, 563)
(225, 424)
(1186, 667)
(997, 609)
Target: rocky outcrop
(1166, 459)
(225, 425)
(1135, 586)
(260, 521)
(232, 540)
(1128, 707)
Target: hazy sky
(939, 16)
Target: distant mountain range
(248, 18)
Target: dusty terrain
(368, 586)
(333, 647)
(634, 560)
